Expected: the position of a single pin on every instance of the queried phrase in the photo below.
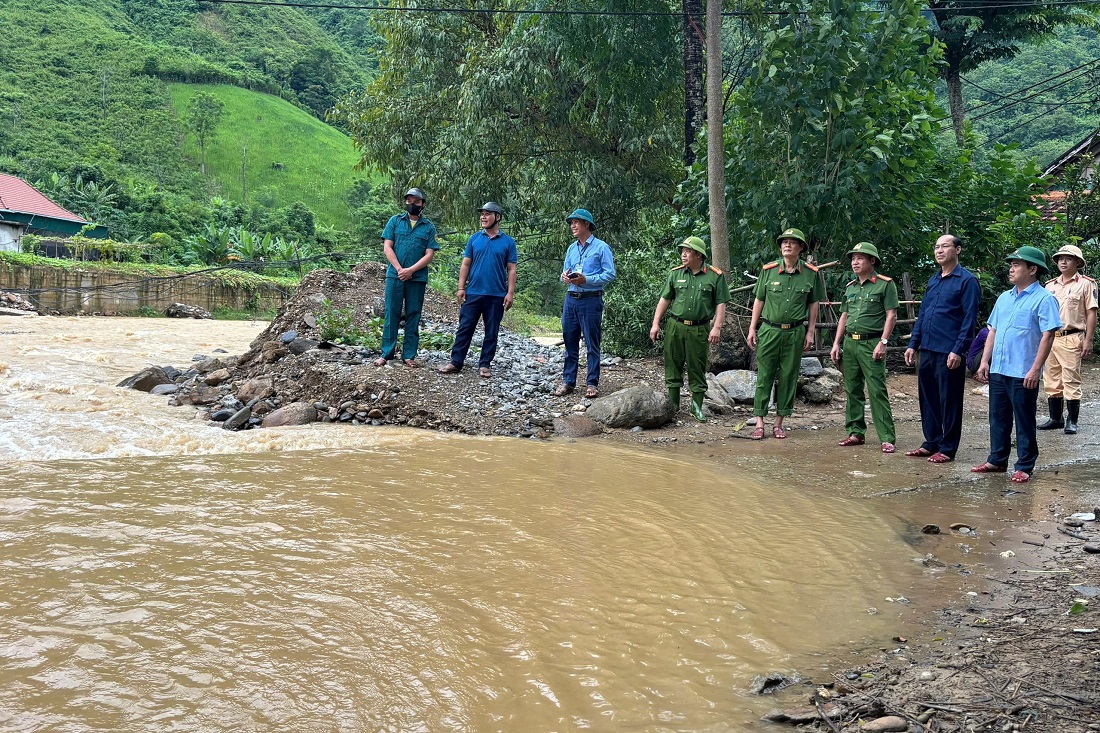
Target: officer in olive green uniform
(695, 297)
(869, 310)
(783, 318)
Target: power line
(1028, 121)
(1013, 103)
(1011, 95)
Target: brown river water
(162, 574)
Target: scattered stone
(180, 310)
(1092, 549)
(772, 682)
(14, 304)
(738, 384)
(301, 346)
(642, 406)
(810, 367)
(164, 389)
(818, 391)
(296, 413)
(577, 426)
(930, 529)
(216, 377)
(799, 716)
(287, 336)
(258, 388)
(145, 380)
(222, 415)
(238, 419)
(888, 723)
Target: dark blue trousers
(1009, 399)
(582, 317)
(488, 308)
(941, 402)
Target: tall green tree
(976, 31)
(204, 114)
(830, 131)
(541, 112)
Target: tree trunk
(716, 147)
(202, 156)
(694, 96)
(955, 101)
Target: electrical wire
(1010, 95)
(1028, 121)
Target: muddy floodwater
(161, 574)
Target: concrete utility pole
(716, 146)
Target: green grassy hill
(289, 155)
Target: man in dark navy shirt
(944, 329)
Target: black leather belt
(687, 322)
(864, 336)
(585, 293)
(783, 326)
(1068, 331)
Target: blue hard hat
(583, 215)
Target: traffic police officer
(1076, 294)
(694, 296)
(869, 310)
(785, 314)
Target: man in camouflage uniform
(784, 315)
(695, 297)
(868, 312)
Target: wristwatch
(884, 342)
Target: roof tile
(19, 196)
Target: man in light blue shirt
(589, 266)
(1021, 332)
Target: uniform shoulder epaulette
(813, 268)
(1091, 280)
(715, 270)
(680, 267)
(771, 265)
(851, 282)
(1051, 280)
(883, 277)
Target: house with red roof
(26, 210)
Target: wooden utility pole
(716, 145)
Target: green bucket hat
(1032, 255)
(793, 234)
(583, 215)
(696, 244)
(865, 248)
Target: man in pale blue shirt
(589, 266)
(1021, 332)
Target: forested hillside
(85, 91)
(1055, 120)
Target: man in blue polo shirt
(486, 288)
(589, 266)
(944, 329)
(1021, 332)
(409, 244)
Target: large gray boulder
(146, 379)
(739, 384)
(180, 310)
(576, 426)
(257, 388)
(810, 367)
(296, 413)
(633, 407)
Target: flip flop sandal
(449, 368)
(778, 432)
(591, 393)
(987, 468)
(758, 434)
(563, 390)
(411, 364)
(484, 373)
(380, 362)
(851, 440)
(1020, 477)
(889, 447)
(918, 453)
(940, 458)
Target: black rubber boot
(1055, 422)
(1073, 407)
(674, 398)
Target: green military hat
(1033, 255)
(865, 248)
(793, 234)
(696, 244)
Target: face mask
(414, 209)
